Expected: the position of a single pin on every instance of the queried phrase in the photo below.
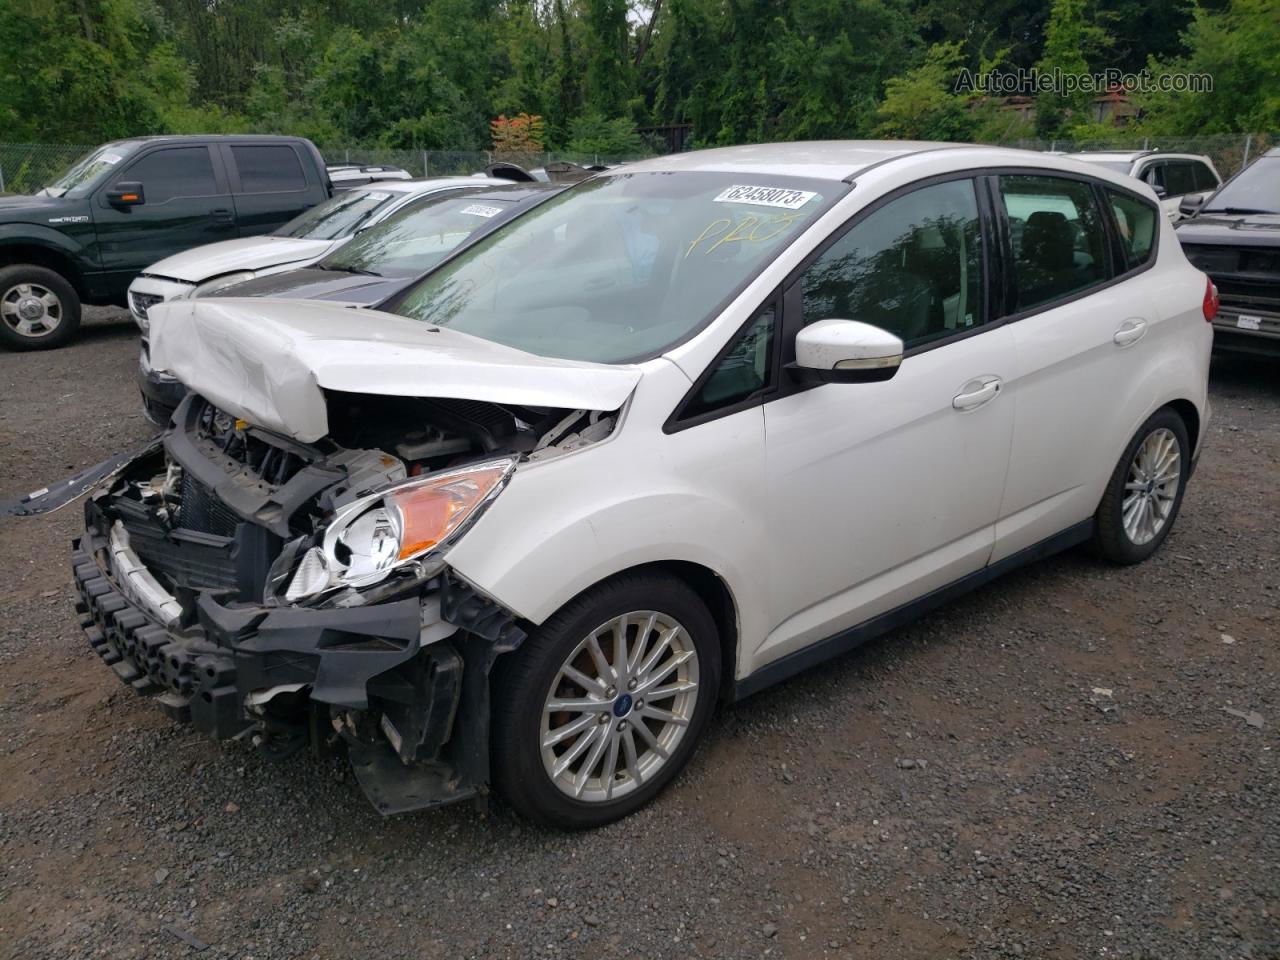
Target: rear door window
(268, 168)
(174, 172)
(1058, 238)
(1179, 178)
(1204, 177)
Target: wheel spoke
(562, 733)
(609, 772)
(590, 684)
(592, 761)
(666, 716)
(642, 637)
(572, 754)
(620, 657)
(647, 735)
(659, 648)
(668, 668)
(661, 693)
(633, 762)
(598, 658)
(587, 705)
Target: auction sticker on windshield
(480, 210)
(766, 196)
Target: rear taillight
(1211, 301)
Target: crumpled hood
(310, 283)
(266, 361)
(227, 256)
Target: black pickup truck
(84, 237)
(1234, 237)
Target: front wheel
(603, 705)
(39, 309)
(1144, 493)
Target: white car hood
(266, 361)
(248, 253)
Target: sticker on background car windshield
(766, 196)
(480, 210)
(1246, 322)
(377, 196)
(111, 158)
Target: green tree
(1072, 42)
(922, 104)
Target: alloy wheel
(1151, 487)
(619, 706)
(30, 310)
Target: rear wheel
(1144, 493)
(39, 309)
(603, 706)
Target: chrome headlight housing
(210, 287)
(409, 523)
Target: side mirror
(126, 193)
(846, 351)
(1191, 205)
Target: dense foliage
(433, 74)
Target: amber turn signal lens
(429, 512)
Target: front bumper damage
(402, 685)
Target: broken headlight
(379, 533)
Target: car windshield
(339, 217)
(1255, 190)
(89, 170)
(620, 267)
(413, 241)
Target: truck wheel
(39, 310)
(603, 705)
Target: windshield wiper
(359, 271)
(1241, 210)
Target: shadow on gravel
(1233, 372)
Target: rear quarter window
(1135, 222)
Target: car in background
(1175, 177)
(304, 239)
(372, 267)
(346, 176)
(85, 236)
(669, 438)
(1234, 237)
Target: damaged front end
(297, 594)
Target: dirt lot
(957, 789)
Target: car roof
(519, 192)
(817, 159)
(1101, 155)
(428, 184)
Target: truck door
(184, 202)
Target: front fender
(30, 234)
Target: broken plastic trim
(58, 495)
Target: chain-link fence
(26, 167)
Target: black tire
(1110, 537)
(523, 680)
(68, 321)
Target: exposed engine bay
(297, 593)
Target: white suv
(678, 433)
(1175, 177)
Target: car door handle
(1131, 331)
(223, 215)
(977, 392)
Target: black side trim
(843, 642)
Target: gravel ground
(958, 789)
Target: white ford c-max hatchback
(688, 428)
